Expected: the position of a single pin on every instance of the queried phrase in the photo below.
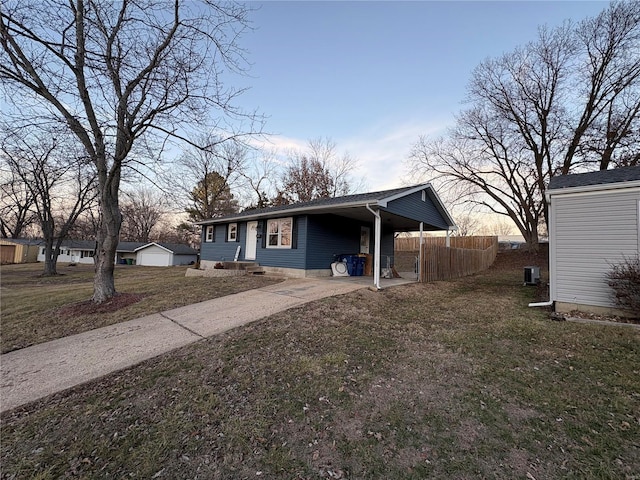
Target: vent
(531, 275)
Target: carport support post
(377, 232)
(420, 252)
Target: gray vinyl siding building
(318, 231)
(594, 223)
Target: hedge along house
(594, 223)
(303, 239)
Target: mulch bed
(88, 307)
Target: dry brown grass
(36, 309)
(447, 380)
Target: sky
(374, 76)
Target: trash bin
(351, 262)
(360, 262)
(129, 261)
(355, 264)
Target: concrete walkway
(35, 372)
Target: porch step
(254, 270)
(238, 265)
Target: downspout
(541, 304)
(376, 248)
(447, 241)
(551, 268)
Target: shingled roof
(325, 204)
(175, 248)
(603, 177)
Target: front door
(252, 241)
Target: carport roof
(352, 206)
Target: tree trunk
(532, 240)
(50, 259)
(50, 251)
(107, 238)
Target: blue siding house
(303, 239)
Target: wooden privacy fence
(443, 263)
(466, 256)
(412, 244)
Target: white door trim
(251, 243)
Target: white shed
(594, 223)
(165, 255)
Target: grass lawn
(446, 380)
(36, 309)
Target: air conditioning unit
(531, 275)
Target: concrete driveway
(35, 372)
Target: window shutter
(294, 232)
(226, 233)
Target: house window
(86, 253)
(424, 196)
(208, 237)
(232, 232)
(279, 232)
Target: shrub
(624, 278)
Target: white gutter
(376, 249)
(592, 188)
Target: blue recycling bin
(355, 264)
(360, 261)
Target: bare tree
(123, 77)
(259, 176)
(499, 226)
(16, 204)
(86, 225)
(340, 167)
(169, 233)
(305, 179)
(567, 102)
(468, 224)
(59, 180)
(141, 210)
(318, 172)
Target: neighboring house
(126, 252)
(73, 251)
(594, 223)
(82, 251)
(165, 254)
(19, 250)
(303, 239)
